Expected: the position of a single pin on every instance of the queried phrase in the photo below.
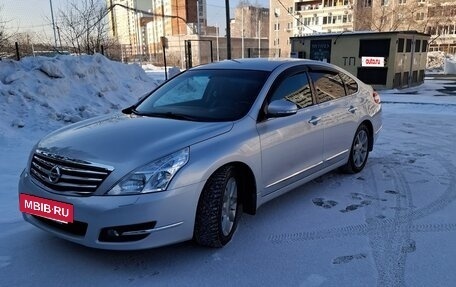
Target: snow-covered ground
(391, 225)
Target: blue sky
(33, 15)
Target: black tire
(211, 226)
(359, 151)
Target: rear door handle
(314, 120)
(352, 109)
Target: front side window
(205, 95)
(328, 85)
(294, 89)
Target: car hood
(128, 139)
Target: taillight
(376, 97)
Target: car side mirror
(281, 108)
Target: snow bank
(450, 65)
(45, 93)
(435, 61)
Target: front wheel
(359, 151)
(218, 209)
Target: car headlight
(153, 177)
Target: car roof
(260, 64)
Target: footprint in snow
(324, 203)
(353, 207)
(348, 258)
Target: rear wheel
(218, 210)
(359, 151)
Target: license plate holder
(47, 208)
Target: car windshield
(205, 95)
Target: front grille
(67, 175)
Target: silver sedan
(186, 160)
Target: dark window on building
(397, 82)
(320, 50)
(408, 46)
(374, 48)
(417, 46)
(328, 85)
(421, 76)
(367, 3)
(373, 76)
(415, 77)
(400, 46)
(295, 89)
(424, 46)
(419, 16)
(405, 79)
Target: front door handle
(314, 120)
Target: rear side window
(351, 86)
(295, 89)
(328, 85)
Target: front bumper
(144, 221)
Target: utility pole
(217, 38)
(242, 31)
(259, 38)
(228, 30)
(53, 24)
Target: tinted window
(295, 89)
(351, 85)
(205, 95)
(328, 86)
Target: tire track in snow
(354, 230)
(390, 238)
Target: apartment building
(434, 17)
(140, 29)
(250, 22)
(293, 18)
(441, 24)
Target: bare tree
(4, 36)
(390, 15)
(83, 27)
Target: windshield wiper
(130, 110)
(168, 115)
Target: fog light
(112, 233)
